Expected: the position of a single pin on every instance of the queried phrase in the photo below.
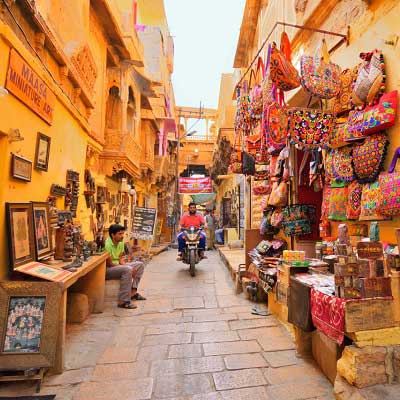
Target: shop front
(317, 140)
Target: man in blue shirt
(119, 266)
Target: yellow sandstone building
(85, 86)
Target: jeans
(181, 241)
(124, 274)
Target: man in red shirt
(191, 218)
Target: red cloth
(188, 220)
(327, 314)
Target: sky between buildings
(205, 34)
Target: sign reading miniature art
(27, 86)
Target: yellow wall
(67, 150)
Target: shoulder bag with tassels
(310, 128)
(283, 74)
(390, 188)
(319, 76)
(370, 80)
(369, 156)
(256, 94)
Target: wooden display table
(88, 279)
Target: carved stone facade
(86, 66)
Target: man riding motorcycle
(191, 218)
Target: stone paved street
(192, 339)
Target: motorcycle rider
(191, 218)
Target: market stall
(320, 196)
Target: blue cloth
(181, 241)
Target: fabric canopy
(204, 198)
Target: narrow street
(193, 338)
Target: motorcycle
(191, 254)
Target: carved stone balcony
(122, 151)
(162, 166)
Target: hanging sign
(144, 220)
(27, 86)
(195, 185)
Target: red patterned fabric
(327, 314)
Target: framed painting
(21, 168)
(21, 241)
(42, 152)
(29, 314)
(43, 238)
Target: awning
(206, 198)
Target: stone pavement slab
(282, 358)
(122, 371)
(188, 302)
(185, 351)
(193, 339)
(170, 338)
(153, 353)
(249, 346)
(239, 379)
(215, 337)
(139, 389)
(187, 366)
(242, 361)
(180, 385)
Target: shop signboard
(144, 220)
(195, 185)
(25, 84)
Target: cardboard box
(326, 352)
(368, 314)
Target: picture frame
(42, 152)
(21, 168)
(42, 233)
(20, 230)
(35, 305)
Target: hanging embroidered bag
(338, 202)
(298, 219)
(256, 93)
(370, 79)
(319, 76)
(380, 116)
(371, 198)
(343, 101)
(342, 167)
(261, 187)
(279, 194)
(275, 122)
(369, 156)
(310, 128)
(282, 72)
(243, 123)
(326, 196)
(390, 188)
(353, 208)
(253, 144)
(328, 165)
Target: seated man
(191, 218)
(120, 266)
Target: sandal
(257, 311)
(138, 296)
(127, 305)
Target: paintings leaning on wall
(29, 324)
(42, 230)
(24, 325)
(20, 233)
